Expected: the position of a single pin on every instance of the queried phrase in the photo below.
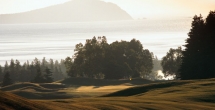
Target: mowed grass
(71, 88)
(171, 95)
(10, 101)
(175, 95)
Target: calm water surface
(57, 40)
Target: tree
(6, 67)
(12, 69)
(127, 59)
(17, 70)
(39, 77)
(117, 60)
(1, 74)
(171, 62)
(43, 63)
(6, 81)
(51, 61)
(156, 69)
(198, 58)
(48, 75)
(156, 64)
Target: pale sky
(136, 8)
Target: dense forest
(27, 72)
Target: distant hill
(72, 11)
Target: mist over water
(57, 40)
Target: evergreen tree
(44, 63)
(17, 70)
(6, 81)
(39, 77)
(48, 75)
(198, 58)
(6, 67)
(1, 74)
(51, 61)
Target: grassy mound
(18, 86)
(195, 90)
(145, 88)
(53, 85)
(9, 101)
(175, 95)
(102, 82)
(37, 91)
(38, 87)
(42, 95)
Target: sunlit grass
(197, 94)
(173, 95)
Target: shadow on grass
(205, 98)
(52, 90)
(44, 96)
(103, 82)
(142, 89)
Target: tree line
(197, 60)
(36, 71)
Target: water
(57, 40)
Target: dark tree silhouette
(39, 77)
(6, 81)
(1, 74)
(6, 67)
(48, 75)
(28, 72)
(198, 58)
(97, 59)
(171, 62)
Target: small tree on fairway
(6, 81)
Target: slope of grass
(37, 91)
(102, 82)
(9, 101)
(176, 95)
(145, 88)
(39, 87)
(173, 95)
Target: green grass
(174, 95)
(9, 101)
(102, 82)
(171, 95)
(37, 91)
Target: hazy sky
(136, 8)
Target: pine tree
(48, 75)
(6, 81)
(198, 58)
(1, 74)
(39, 77)
(6, 67)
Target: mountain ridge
(72, 11)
